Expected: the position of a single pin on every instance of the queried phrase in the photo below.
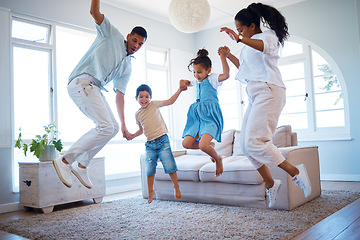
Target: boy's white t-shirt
(151, 120)
(261, 66)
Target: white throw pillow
(282, 136)
(237, 151)
(223, 149)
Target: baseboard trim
(124, 188)
(340, 177)
(10, 207)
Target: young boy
(151, 123)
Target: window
(33, 81)
(230, 100)
(315, 93)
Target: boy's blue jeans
(159, 148)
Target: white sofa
(240, 184)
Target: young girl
(258, 69)
(204, 118)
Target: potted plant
(42, 146)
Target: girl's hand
(232, 34)
(224, 51)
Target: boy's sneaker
(63, 170)
(302, 180)
(81, 174)
(272, 193)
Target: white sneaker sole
(306, 175)
(80, 179)
(57, 169)
(277, 192)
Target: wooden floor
(344, 224)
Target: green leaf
(58, 145)
(25, 148)
(37, 148)
(18, 143)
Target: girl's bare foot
(219, 167)
(212, 144)
(177, 193)
(151, 196)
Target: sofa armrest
(178, 153)
(290, 195)
(294, 141)
(144, 187)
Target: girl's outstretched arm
(223, 52)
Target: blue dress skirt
(204, 115)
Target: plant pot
(48, 154)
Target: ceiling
(222, 11)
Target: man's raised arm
(95, 11)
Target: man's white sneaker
(81, 174)
(63, 170)
(272, 193)
(302, 180)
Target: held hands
(184, 84)
(131, 137)
(125, 132)
(232, 34)
(224, 51)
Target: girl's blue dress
(204, 115)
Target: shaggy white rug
(133, 218)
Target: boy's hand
(130, 137)
(184, 84)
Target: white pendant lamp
(189, 16)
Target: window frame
(313, 133)
(48, 47)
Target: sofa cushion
(237, 169)
(224, 148)
(282, 136)
(188, 168)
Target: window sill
(323, 138)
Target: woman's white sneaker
(272, 193)
(63, 170)
(302, 180)
(81, 174)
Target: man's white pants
(93, 104)
(266, 102)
